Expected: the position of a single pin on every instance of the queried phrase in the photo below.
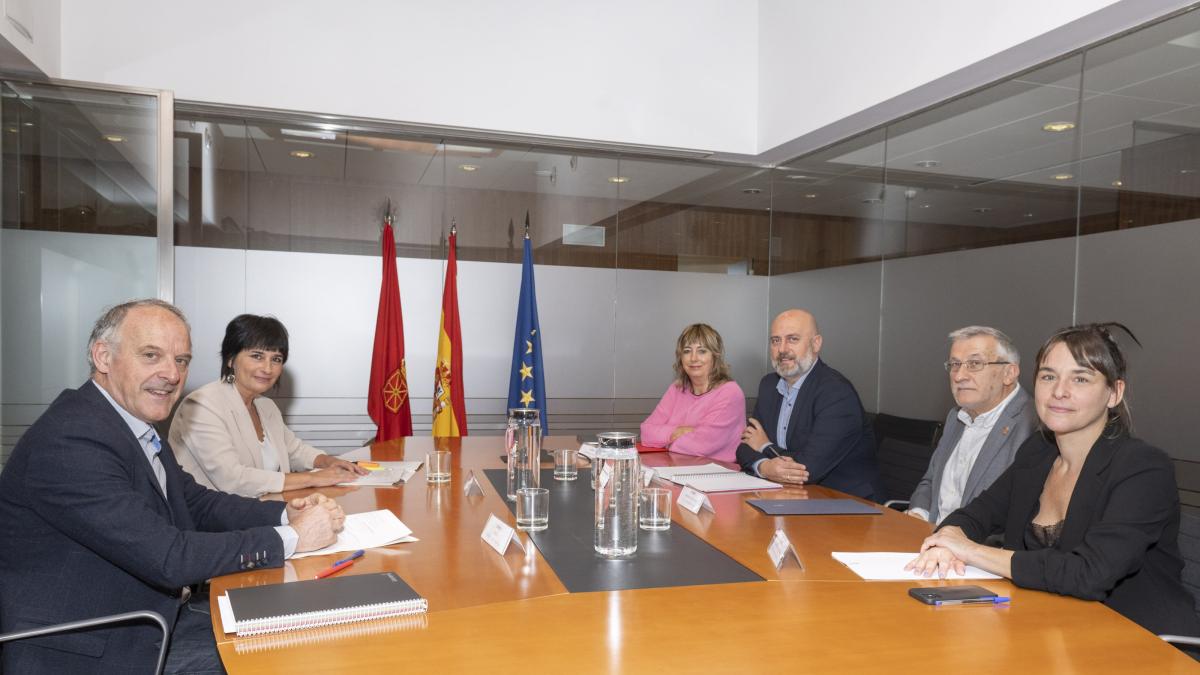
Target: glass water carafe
(617, 471)
(523, 443)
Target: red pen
(335, 569)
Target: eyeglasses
(973, 366)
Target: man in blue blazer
(808, 424)
(993, 417)
(97, 518)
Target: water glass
(654, 509)
(533, 509)
(565, 464)
(437, 466)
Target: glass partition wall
(1065, 193)
(80, 206)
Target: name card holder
(779, 548)
(693, 500)
(472, 486)
(499, 534)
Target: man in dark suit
(97, 518)
(808, 424)
(993, 417)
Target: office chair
(1189, 549)
(903, 448)
(99, 621)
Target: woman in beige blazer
(229, 436)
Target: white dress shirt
(962, 458)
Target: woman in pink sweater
(704, 411)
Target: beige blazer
(213, 439)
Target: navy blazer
(1120, 541)
(828, 432)
(87, 532)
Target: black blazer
(87, 531)
(828, 432)
(1119, 543)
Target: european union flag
(527, 386)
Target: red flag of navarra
(387, 398)
(449, 407)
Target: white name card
(605, 475)
(779, 548)
(693, 500)
(499, 534)
(647, 475)
(588, 450)
(472, 486)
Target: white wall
(41, 21)
(822, 61)
(670, 72)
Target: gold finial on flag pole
(526, 224)
(453, 227)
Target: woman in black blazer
(1085, 509)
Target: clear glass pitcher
(523, 443)
(617, 470)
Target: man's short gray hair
(107, 328)
(1005, 349)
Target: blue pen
(1000, 599)
(353, 556)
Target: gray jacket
(1015, 423)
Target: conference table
(508, 613)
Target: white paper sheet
(390, 474)
(888, 566)
(367, 530)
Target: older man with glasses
(993, 417)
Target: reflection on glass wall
(79, 226)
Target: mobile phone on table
(934, 595)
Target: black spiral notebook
(321, 602)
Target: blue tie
(155, 463)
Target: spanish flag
(449, 408)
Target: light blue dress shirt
(789, 395)
(147, 437)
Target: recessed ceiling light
(798, 176)
(618, 179)
(1063, 176)
(113, 138)
(872, 200)
(811, 195)
(11, 130)
(925, 206)
(982, 209)
(1187, 172)
(927, 163)
(1117, 183)
(1028, 215)
(301, 154)
(468, 167)
(26, 124)
(752, 191)
(1055, 127)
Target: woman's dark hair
(1093, 346)
(250, 331)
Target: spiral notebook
(713, 477)
(274, 608)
